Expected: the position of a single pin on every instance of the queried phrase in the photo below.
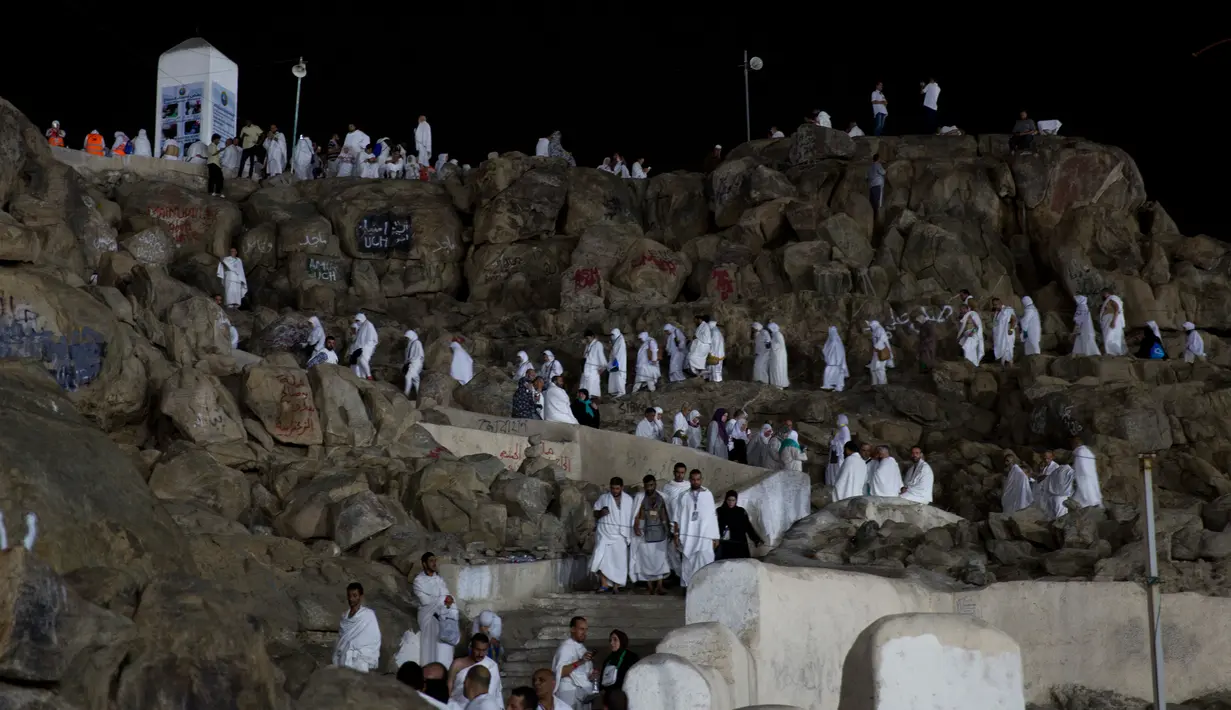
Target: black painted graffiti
(324, 270)
(507, 426)
(380, 233)
(74, 359)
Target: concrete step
(582, 605)
(640, 629)
(546, 648)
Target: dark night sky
(667, 90)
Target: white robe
(316, 339)
(648, 369)
(358, 645)
(679, 423)
(365, 342)
(556, 405)
(301, 162)
(836, 451)
(141, 145)
(699, 349)
(695, 513)
(231, 155)
(852, 478)
(918, 483)
(677, 351)
(462, 367)
(640, 173)
(1088, 494)
(356, 141)
(1017, 494)
(647, 429)
(836, 370)
(672, 490)
(880, 341)
(542, 148)
(1083, 342)
(459, 683)
(275, 155)
(972, 345)
(523, 366)
(611, 537)
(414, 363)
(234, 281)
(1194, 346)
(886, 479)
(647, 561)
(1031, 328)
(369, 165)
(551, 369)
(718, 350)
(1057, 488)
(1113, 327)
(431, 592)
(777, 358)
(571, 688)
(595, 363)
(760, 356)
(1003, 339)
(423, 142)
(617, 379)
(759, 452)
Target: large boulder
(520, 275)
(675, 208)
(281, 397)
(195, 221)
(405, 219)
(518, 197)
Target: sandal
(603, 590)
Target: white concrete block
(932, 662)
(667, 682)
(712, 646)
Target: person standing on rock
(648, 368)
(1017, 494)
(141, 145)
(231, 155)
(648, 549)
(931, 95)
(551, 367)
(617, 371)
(882, 354)
(556, 404)
(1031, 326)
(1083, 330)
(433, 595)
(717, 443)
(696, 527)
(1087, 493)
(1004, 332)
(316, 339)
(876, 183)
(836, 371)
(1111, 317)
(677, 352)
(523, 366)
(362, 347)
(594, 362)
(970, 335)
(919, 479)
(423, 141)
(853, 476)
(524, 405)
(1194, 345)
(213, 165)
(759, 452)
(760, 354)
(880, 109)
(886, 477)
(250, 142)
(462, 366)
(837, 445)
(358, 646)
(737, 434)
(613, 513)
(414, 363)
(777, 358)
(234, 281)
(718, 352)
(275, 152)
(1056, 488)
(791, 456)
(699, 349)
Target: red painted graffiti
(435, 453)
(585, 277)
(177, 220)
(722, 282)
(662, 261)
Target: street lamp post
(300, 70)
(754, 64)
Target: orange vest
(55, 139)
(94, 144)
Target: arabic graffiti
(908, 318)
(503, 426)
(586, 277)
(177, 220)
(1066, 417)
(722, 283)
(380, 233)
(74, 359)
(502, 268)
(436, 452)
(661, 260)
(296, 412)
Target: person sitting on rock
(917, 486)
(885, 479)
(606, 166)
(363, 346)
(556, 405)
(775, 133)
(619, 168)
(640, 172)
(853, 475)
(585, 409)
(1024, 132)
(327, 355)
(646, 428)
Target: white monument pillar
(197, 95)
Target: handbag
(882, 354)
(612, 671)
(354, 357)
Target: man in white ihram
(699, 348)
(433, 595)
(1086, 490)
(414, 362)
(1111, 318)
(358, 644)
(886, 478)
(594, 362)
(760, 354)
(614, 513)
(234, 281)
(671, 492)
(777, 357)
(617, 374)
(1004, 332)
(362, 347)
(423, 141)
(970, 335)
(853, 476)
(556, 404)
(718, 352)
(1031, 326)
(695, 521)
(573, 665)
(918, 484)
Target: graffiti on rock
(722, 283)
(177, 220)
(285, 335)
(324, 270)
(907, 318)
(661, 260)
(585, 277)
(503, 426)
(296, 412)
(381, 233)
(501, 269)
(74, 359)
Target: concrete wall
(506, 585)
(799, 623)
(173, 171)
(509, 447)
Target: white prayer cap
(549, 355)
(668, 327)
(1189, 326)
(757, 326)
(643, 335)
(658, 409)
(1027, 301)
(411, 335)
(360, 318)
(615, 332)
(773, 327)
(842, 420)
(717, 147)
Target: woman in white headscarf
(791, 456)
(606, 166)
(760, 354)
(759, 451)
(718, 352)
(840, 436)
(414, 362)
(677, 352)
(523, 365)
(302, 162)
(737, 434)
(882, 354)
(694, 430)
(777, 357)
(462, 367)
(441, 161)
(316, 339)
(490, 624)
(1194, 345)
(1031, 326)
(617, 372)
(1083, 330)
(648, 369)
(363, 346)
(551, 368)
(836, 371)
(1017, 494)
(141, 145)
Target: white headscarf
(548, 356)
(757, 326)
(1194, 343)
(1082, 309)
(493, 622)
(462, 368)
(773, 327)
(1027, 302)
(523, 365)
(835, 350)
(643, 336)
(120, 139)
(1154, 328)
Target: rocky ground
(202, 509)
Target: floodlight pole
(747, 104)
(1154, 588)
(298, 87)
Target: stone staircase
(533, 633)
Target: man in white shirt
(482, 689)
(931, 92)
(545, 687)
(918, 484)
(464, 667)
(880, 109)
(572, 665)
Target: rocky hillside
(203, 509)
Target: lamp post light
(300, 70)
(754, 64)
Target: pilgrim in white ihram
(648, 369)
(358, 646)
(836, 371)
(837, 446)
(677, 352)
(234, 281)
(595, 362)
(434, 599)
(760, 354)
(1031, 326)
(617, 372)
(1083, 331)
(777, 357)
(696, 521)
(614, 512)
(462, 366)
(414, 362)
(363, 346)
(1111, 317)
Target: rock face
(202, 508)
